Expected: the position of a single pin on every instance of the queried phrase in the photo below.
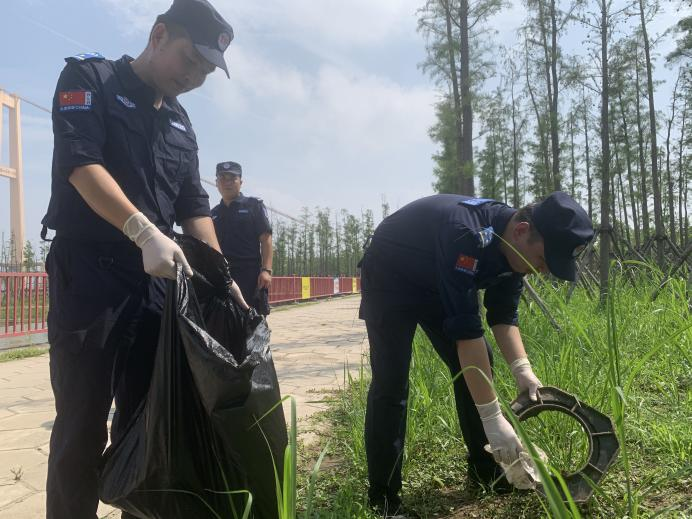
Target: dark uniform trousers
(245, 273)
(104, 321)
(391, 337)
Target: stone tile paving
(311, 344)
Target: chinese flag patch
(466, 264)
(74, 100)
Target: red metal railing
(24, 297)
(285, 289)
(23, 303)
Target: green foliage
(683, 47)
(446, 169)
(631, 360)
(22, 353)
(321, 243)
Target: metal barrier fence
(295, 288)
(23, 303)
(24, 297)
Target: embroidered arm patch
(75, 100)
(466, 264)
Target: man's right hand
(505, 445)
(160, 254)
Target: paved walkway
(311, 343)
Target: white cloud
(308, 122)
(332, 22)
(330, 101)
(332, 119)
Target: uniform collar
(500, 220)
(499, 223)
(138, 88)
(239, 199)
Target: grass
(629, 359)
(22, 353)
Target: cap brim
(563, 268)
(213, 56)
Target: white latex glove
(525, 378)
(523, 473)
(159, 253)
(505, 445)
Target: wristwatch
(268, 271)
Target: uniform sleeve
(502, 301)
(193, 200)
(262, 224)
(457, 261)
(78, 119)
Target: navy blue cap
(566, 230)
(209, 32)
(229, 167)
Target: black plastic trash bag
(196, 436)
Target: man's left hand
(264, 280)
(525, 378)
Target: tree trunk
(466, 109)
(503, 166)
(682, 182)
(493, 147)
(545, 186)
(548, 87)
(571, 138)
(642, 165)
(671, 195)
(554, 135)
(623, 200)
(605, 163)
(630, 180)
(658, 208)
(515, 150)
(588, 162)
(455, 95)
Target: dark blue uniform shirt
(103, 114)
(438, 252)
(238, 227)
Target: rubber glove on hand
(505, 445)
(159, 253)
(525, 378)
(523, 473)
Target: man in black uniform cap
(124, 169)
(424, 266)
(245, 235)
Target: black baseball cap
(209, 32)
(566, 230)
(229, 167)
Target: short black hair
(525, 214)
(174, 30)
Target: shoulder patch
(178, 125)
(125, 101)
(476, 201)
(74, 100)
(85, 56)
(485, 237)
(466, 264)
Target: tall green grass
(629, 358)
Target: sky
(326, 105)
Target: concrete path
(311, 343)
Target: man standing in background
(245, 236)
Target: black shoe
(489, 477)
(387, 507)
